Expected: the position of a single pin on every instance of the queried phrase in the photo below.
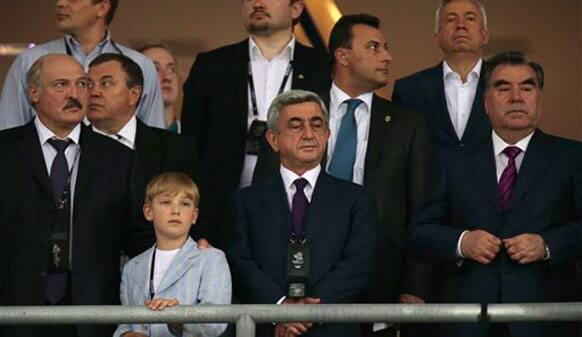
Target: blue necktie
(344, 153)
(59, 168)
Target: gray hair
(293, 97)
(437, 17)
(34, 74)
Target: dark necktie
(507, 179)
(299, 208)
(59, 168)
(344, 152)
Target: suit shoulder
(221, 52)
(400, 112)
(106, 146)
(417, 76)
(572, 148)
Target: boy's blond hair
(172, 183)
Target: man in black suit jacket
(450, 94)
(116, 83)
(218, 109)
(505, 220)
(391, 156)
(98, 225)
(338, 229)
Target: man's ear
(33, 94)
(271, 137)
(103, 8)
(341, 56)
(134, 95)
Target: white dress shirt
(72, 153)
(267, 78)
(289, 178)
(501, 161)
(126, 134)
(460, 96)
(337, 109)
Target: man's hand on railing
(410, 299)
(134, 334)
(161, 303)
(295, 329)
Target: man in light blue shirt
(86, 36)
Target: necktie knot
(59, 145)
(352, 104)
(300, 183)
(511, 151)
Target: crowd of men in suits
(449, 193)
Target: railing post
(245, 327)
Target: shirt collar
(44, 133)
(70, 39)
(499, 144)
(289, 176)
(338, 96)
(475, 72)
(287, 52)
(127, 132)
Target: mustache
(256, 11)
(73, 103)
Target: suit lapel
(180, 265)
(379, 130)
(239, 77)
(148, 146)
(481, 164)
(274, 197)
(30, 149)
(321, 203)
(434, 89)
(537, 159)
(89, 161)
(478, 118)
(301, 68)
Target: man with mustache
(303, 213)
(65, 204)
(116, 84)
(85, 26)
(450, 94)
(227, 94)
(504, 223)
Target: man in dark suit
(390, 155)
(332, 219)
(450, 94)
(227, 94)
(64, 206)
(115, 91)
(505, 220)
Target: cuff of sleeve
(459, 252)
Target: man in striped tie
(505, 220)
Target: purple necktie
(508, 176)
(299, 209)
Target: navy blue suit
(215, 113)
(340, 227)
(546, 200)
(425, 92)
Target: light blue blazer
(194, 277)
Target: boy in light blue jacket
(175, 271)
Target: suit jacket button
(43, 274)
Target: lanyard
(152, 290)
(65, 196)
(252, 85)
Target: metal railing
(247, 316)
